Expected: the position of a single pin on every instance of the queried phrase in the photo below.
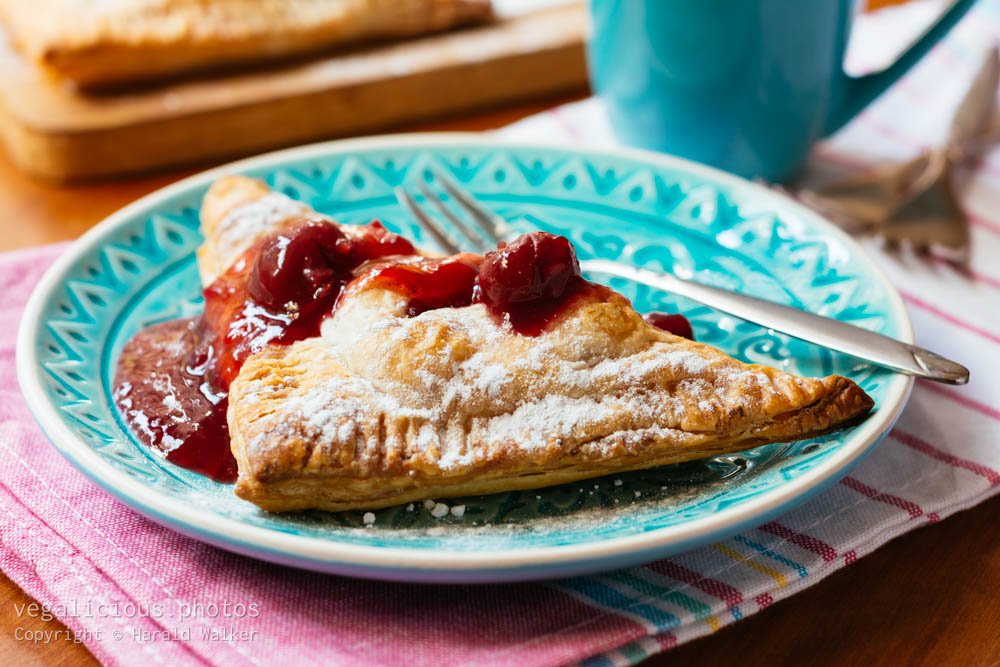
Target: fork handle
(833, 334)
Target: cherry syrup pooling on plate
(162, 392)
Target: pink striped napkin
(135, 592)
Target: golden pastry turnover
(424, 377)
(104, 42)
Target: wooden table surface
(931, 597)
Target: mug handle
(858, 92)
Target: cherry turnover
(173, 378)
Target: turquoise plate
(137, 267)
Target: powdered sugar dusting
(475, 392)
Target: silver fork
(487, 229)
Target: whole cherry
(299, 265)
(535, 266)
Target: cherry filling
(531, 281)
(674, 323)
(173, 378)
(281, 289)
(430, 283)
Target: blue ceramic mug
(745, 85)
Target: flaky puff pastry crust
(105, 42)
(385, 409)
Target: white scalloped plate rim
(429, 565)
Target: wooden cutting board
(53, 131)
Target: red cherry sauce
(446, 282)
(532, 281)
(173, 378)
(674, 323)
(162, 392)
(280, 290)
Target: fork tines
(482, 234)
